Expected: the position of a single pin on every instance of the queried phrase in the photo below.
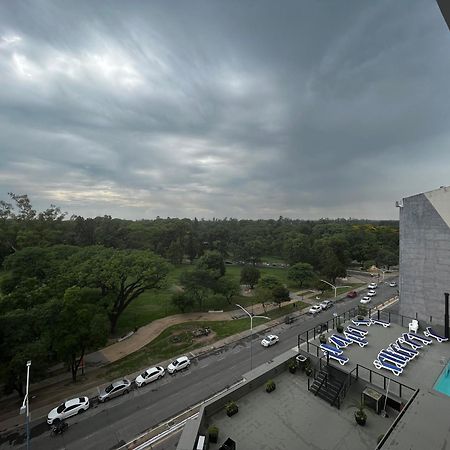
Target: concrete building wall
(425, 255)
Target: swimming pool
(443, 382)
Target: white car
(68, 409)
(326, 304)
(315, 309)
(372, 286)
(178, 364)
(393, 284)
(269, 340)
(151, 374)
(365, 300)
(372, 293)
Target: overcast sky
(237, 108)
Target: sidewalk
(47, 393)
(44, 398)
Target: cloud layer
(213, 109)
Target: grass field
(163, 347)
(154, 305)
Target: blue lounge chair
(399, 356)
(430, 333)
(383, 364)
(357, 339)
(392, 359)
(355, 330)
(331, 349)
(394, 348)
(380, 322)
(405, 339)
(423, 339)
(340, 358)
(362, 322)
(339, 341)
(398, 343)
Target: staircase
(326, 387)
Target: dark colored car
(352, 294)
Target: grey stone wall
(424, 260)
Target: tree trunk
(114, 318)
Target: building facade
(425, 254)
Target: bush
(270, 386)
(231, 408)
(322, 339)
(292, 366)
(213, 433)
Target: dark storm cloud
(209, 108)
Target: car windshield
(175, 363)
(144, 374)
(109, 388)
(60, 408)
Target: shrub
(322, 339)
(292, 366)
(270, 386)
(213, 433)
(231, 408)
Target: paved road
(106, 426)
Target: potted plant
(360, 414)
(213, 433)
(308, 368)
(322, 339)
(270, 386)
(231, 408)
(339, 328)
(292, 366)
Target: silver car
(115, 389)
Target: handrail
(396, 420)
(325, 378)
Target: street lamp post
(251, 330)
(25, 408)
(333, 286)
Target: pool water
(443, 382)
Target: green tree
(212, 262)
(280, 294)
(269, 282)
(301, 273)
(121, 275)
(250, 276)
(228, 288)
(81, 325)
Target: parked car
(352, 294)
(372, 293)
(372, 286)
(68, 409)
(393, 284)
(149, 375)
(178, 364)
(326, 304)
(269, 340)
(115, 389)
(365, 300)
(315, 309)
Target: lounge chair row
(370, 321)
(405, 349)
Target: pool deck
(425, 424)
(292, 418)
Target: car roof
(119, 382)
(182, 358)
(74, 401)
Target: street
(106, 426)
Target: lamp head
(28, 363)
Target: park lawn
(164, 347)
(152, 305)
(330, 292)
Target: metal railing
(344, 389)
(396, 420)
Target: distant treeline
(292, 240)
